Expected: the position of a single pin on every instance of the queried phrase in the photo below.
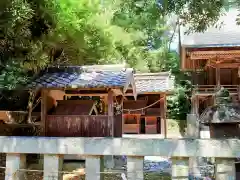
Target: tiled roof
(153, 82)
(85, 77)
(226, 36)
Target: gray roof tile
(153, 82)
(77, 77)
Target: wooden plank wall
(118, 125)
(78, 126)
(208, 77)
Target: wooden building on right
(213, 59)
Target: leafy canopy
(200, 14)
(36, 34)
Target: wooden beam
(218, 80)
(117, 92)
(228, 65)
(111, 110)
(196, 105)
(69, 95)
(212, 54)
(183, 58)
(110, 103)
(86, 91)
(163, 115)
(193, 103)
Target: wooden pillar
(111, 111)
(105, 108)
(213, 99)
(109, 160)
(238, 93)
(44, 111)
(195, 105)
(192, 104)
(218, 80)
(163, 109)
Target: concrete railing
(224, 150)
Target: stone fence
(224, 150)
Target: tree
(201, 14)
(145, 21)
(36, 34)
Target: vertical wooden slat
(111, 112)
(79, 126)
(196, 105)
(44, 111)
(165, 116)
(161, 114)
(163, 109)
(192, 104)
(183, 57)
(218, 80)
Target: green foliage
(201, 14)
(36, 34)
(178, 103)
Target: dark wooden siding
(224, 130)
(78, 126)
(208, 77)
(118, 125)
(74, 107)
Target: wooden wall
(118, 125)
(208, 77)
(82, 126)
(226, 130)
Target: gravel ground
(147, 176)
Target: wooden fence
(83, 126)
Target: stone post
(14, 164)
(51, 167)
(192, 126)
(193, 132)
(94, 168)
(225, 169)
(135, 167)
(180, 168)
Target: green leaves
(197, 15)
(44, 33)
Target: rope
(131, 110)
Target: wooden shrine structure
(147, 114)
(76, 101)
(213, 58)
(92, 101)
